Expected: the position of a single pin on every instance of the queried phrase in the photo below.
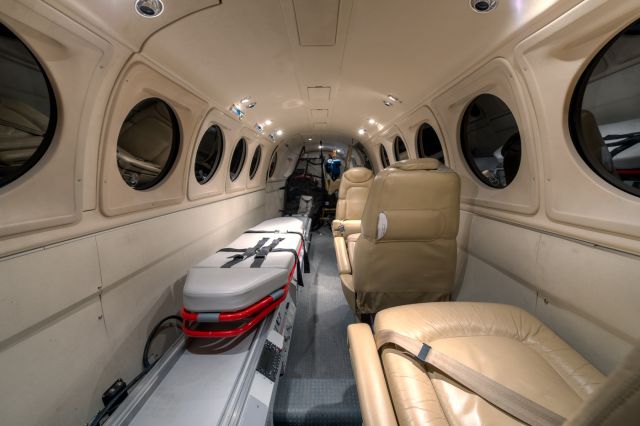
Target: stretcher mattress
(221, 283)
(285, 224)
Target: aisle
(318, 387)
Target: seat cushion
(503, 342)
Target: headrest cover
(417, 164)
(358, 174)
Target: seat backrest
(407, 251)
(352, 195)
(594, 145)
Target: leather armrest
(350, 227)
(375, 403)
(342, 255)
(335, 227)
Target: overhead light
(338, 151)
(392, 98)
(372, 121)
(310, 139)
(320, 146)
(279, 132)
(237, 111)
(149, 8)
(252, 105)
(387, 103)
(361, 131)
(483, 6)
(268, 123)
(245, 100)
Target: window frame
(233, 176)
(220, 156)
(397, 140)
(574, 120)
(49, 134)
(384, 156)
(176, 142)
(419, 144)
(254, 166)
(466, 151)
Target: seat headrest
(417, 164)
(358, 174)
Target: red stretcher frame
(263, 308)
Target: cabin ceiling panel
(119, 19)
(317, 21)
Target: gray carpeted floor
(318, 387)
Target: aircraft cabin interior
(319, 212)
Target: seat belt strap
(296, 263)
(519, 406)
(305, 255)
(262, 253)
(242, 253)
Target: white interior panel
(40, 284)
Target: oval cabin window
(209, 154)
(428, 144)
(255, 162)
(27, 108)
(384, 157)
(272, 165)
(237, 159)
(400, 149)
(148, 144)
(491, 141)
(605, 112)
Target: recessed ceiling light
(372, 121)
(320, 146)
(387, 103)
(268, 123)
(279, 132)
(245, 100)
(310, 139)
(338, 151)
(392, 98)
(483, 6)
(361, 131)
(149, 8)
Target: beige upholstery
(367, 370)
(407, 250)
(352, 196)
(502, 342)
(617, 402)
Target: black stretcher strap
(305, 256)
(242, 253)
(296, 263)
(262, 253)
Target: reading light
(268, 123)
(279, 132)
(372, 121)
(387, 103)
(361, 131)
(310, 139)
(252, 105)
(392, 98)
(245, 100)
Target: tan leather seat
(407, 250)
(502, 342)
(352, 196)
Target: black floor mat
(318, 387)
